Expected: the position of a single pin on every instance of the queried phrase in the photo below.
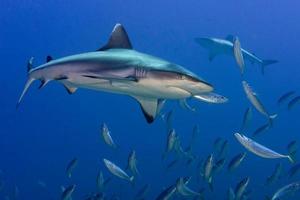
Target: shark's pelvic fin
(118, 39)
(149, 107)
(43, 83)
(70, 89)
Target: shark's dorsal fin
(230, 38)
(149, 107)
(118, 39)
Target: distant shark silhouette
(117, 68)
(218, 46)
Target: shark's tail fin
(28, 83)
(266, 63)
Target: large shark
(218, 46)
(117, 68)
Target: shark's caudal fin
(266, 63)
(28, 83)
(118, 39)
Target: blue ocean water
(52, 127)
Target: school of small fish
(207, 168)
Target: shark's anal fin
(149, 107)
(118, 39)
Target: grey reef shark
(218, 46)
(118, 68)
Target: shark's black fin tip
(49, 58)
(149, 118)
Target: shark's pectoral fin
(118, 39)
(149, 107)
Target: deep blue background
(51, 127)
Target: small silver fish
(182, 189)
(219, 165)
(184, 104)
(107, 137)
(286, 190)
(67, 192)
(171, 142)
(246, 119)
(220, 150)
(142, 193)
(230, 194)
(275, 175)
(237, 51)
(208, 168)
(70, 167)
(236, 161)
(259, 149)
(211, 98)
(252, 96)
(100, 181)
(117, 171)
(241, 188)
(261, 129)
(132, 163)
(285, 97)
(293, 102)
(169, 192)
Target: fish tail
(132, 181)
(266, 63)
(291, 159)
(210, 184)
(293, 156)
(271, 118)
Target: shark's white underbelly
(144, 88)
